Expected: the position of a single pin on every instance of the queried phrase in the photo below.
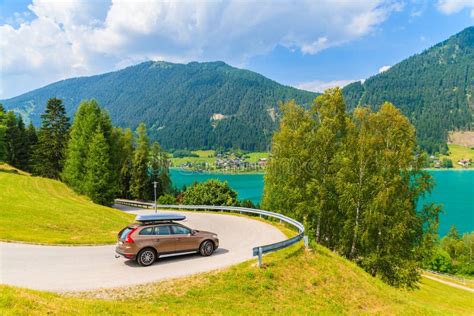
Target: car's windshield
(125, 232)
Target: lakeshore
(454, 189)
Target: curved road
(76, 268)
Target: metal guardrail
(453, 277)
(256, 251)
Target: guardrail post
(259, 257)
(306, 241)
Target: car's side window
(162, 230)
(180, 230)
(147, 231)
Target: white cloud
(70, 38)
(383, 69)
(321, 86)
(455, 6)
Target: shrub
(167, 199)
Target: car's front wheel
(146, 257)
(207, 248)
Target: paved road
(75, 268)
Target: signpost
(154, 187)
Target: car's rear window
(125, 233)
(147, 231)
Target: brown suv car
(157, 235)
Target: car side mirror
(193, 232)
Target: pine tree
(31, 140)
(126, 162)
(3, 130)
(140, 182)
(86, 121)
(98, 183)
(49, 152)
(12, 139)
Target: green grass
(293, 281)
(255, 156)
(40, 210)
(458, 152)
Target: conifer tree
(98, 183)
(125, 163)
(3, 130)
(12, 136)
(159, 170)
(48, 154)
(140, 182)
(86, 120)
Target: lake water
(454, 190)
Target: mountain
(195, 105)
(434, 89)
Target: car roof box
(160, 217)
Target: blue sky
(307, 44)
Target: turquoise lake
(454, 190)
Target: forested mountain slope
(195, 105)
(434, 89)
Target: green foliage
(177, 103)
(3, 130)
(86, 121)
(123, 149)
(167, 199)
(48, 154)
(211, 192)
(98, 182)
(460, 251)
(441, 261)
(355, 181)
(139, 183)
(433, 89)
(158, 169)
(446, 163)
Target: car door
(165, 241)
(184, 240)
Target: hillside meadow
(40, 210)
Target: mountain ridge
(202, 105)
(426, 87)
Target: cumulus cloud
(70, 38)
(455, 6)
(383, 69)
(321, 86)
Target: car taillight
(129, 239)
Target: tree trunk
(318, 225)
(356, 230)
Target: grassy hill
(458, 152)
(293, 282)
(40, 210)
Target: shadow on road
(187, 257)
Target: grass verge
(293, 281)
(39, 210)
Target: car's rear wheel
(207, 248)
(146, 257)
